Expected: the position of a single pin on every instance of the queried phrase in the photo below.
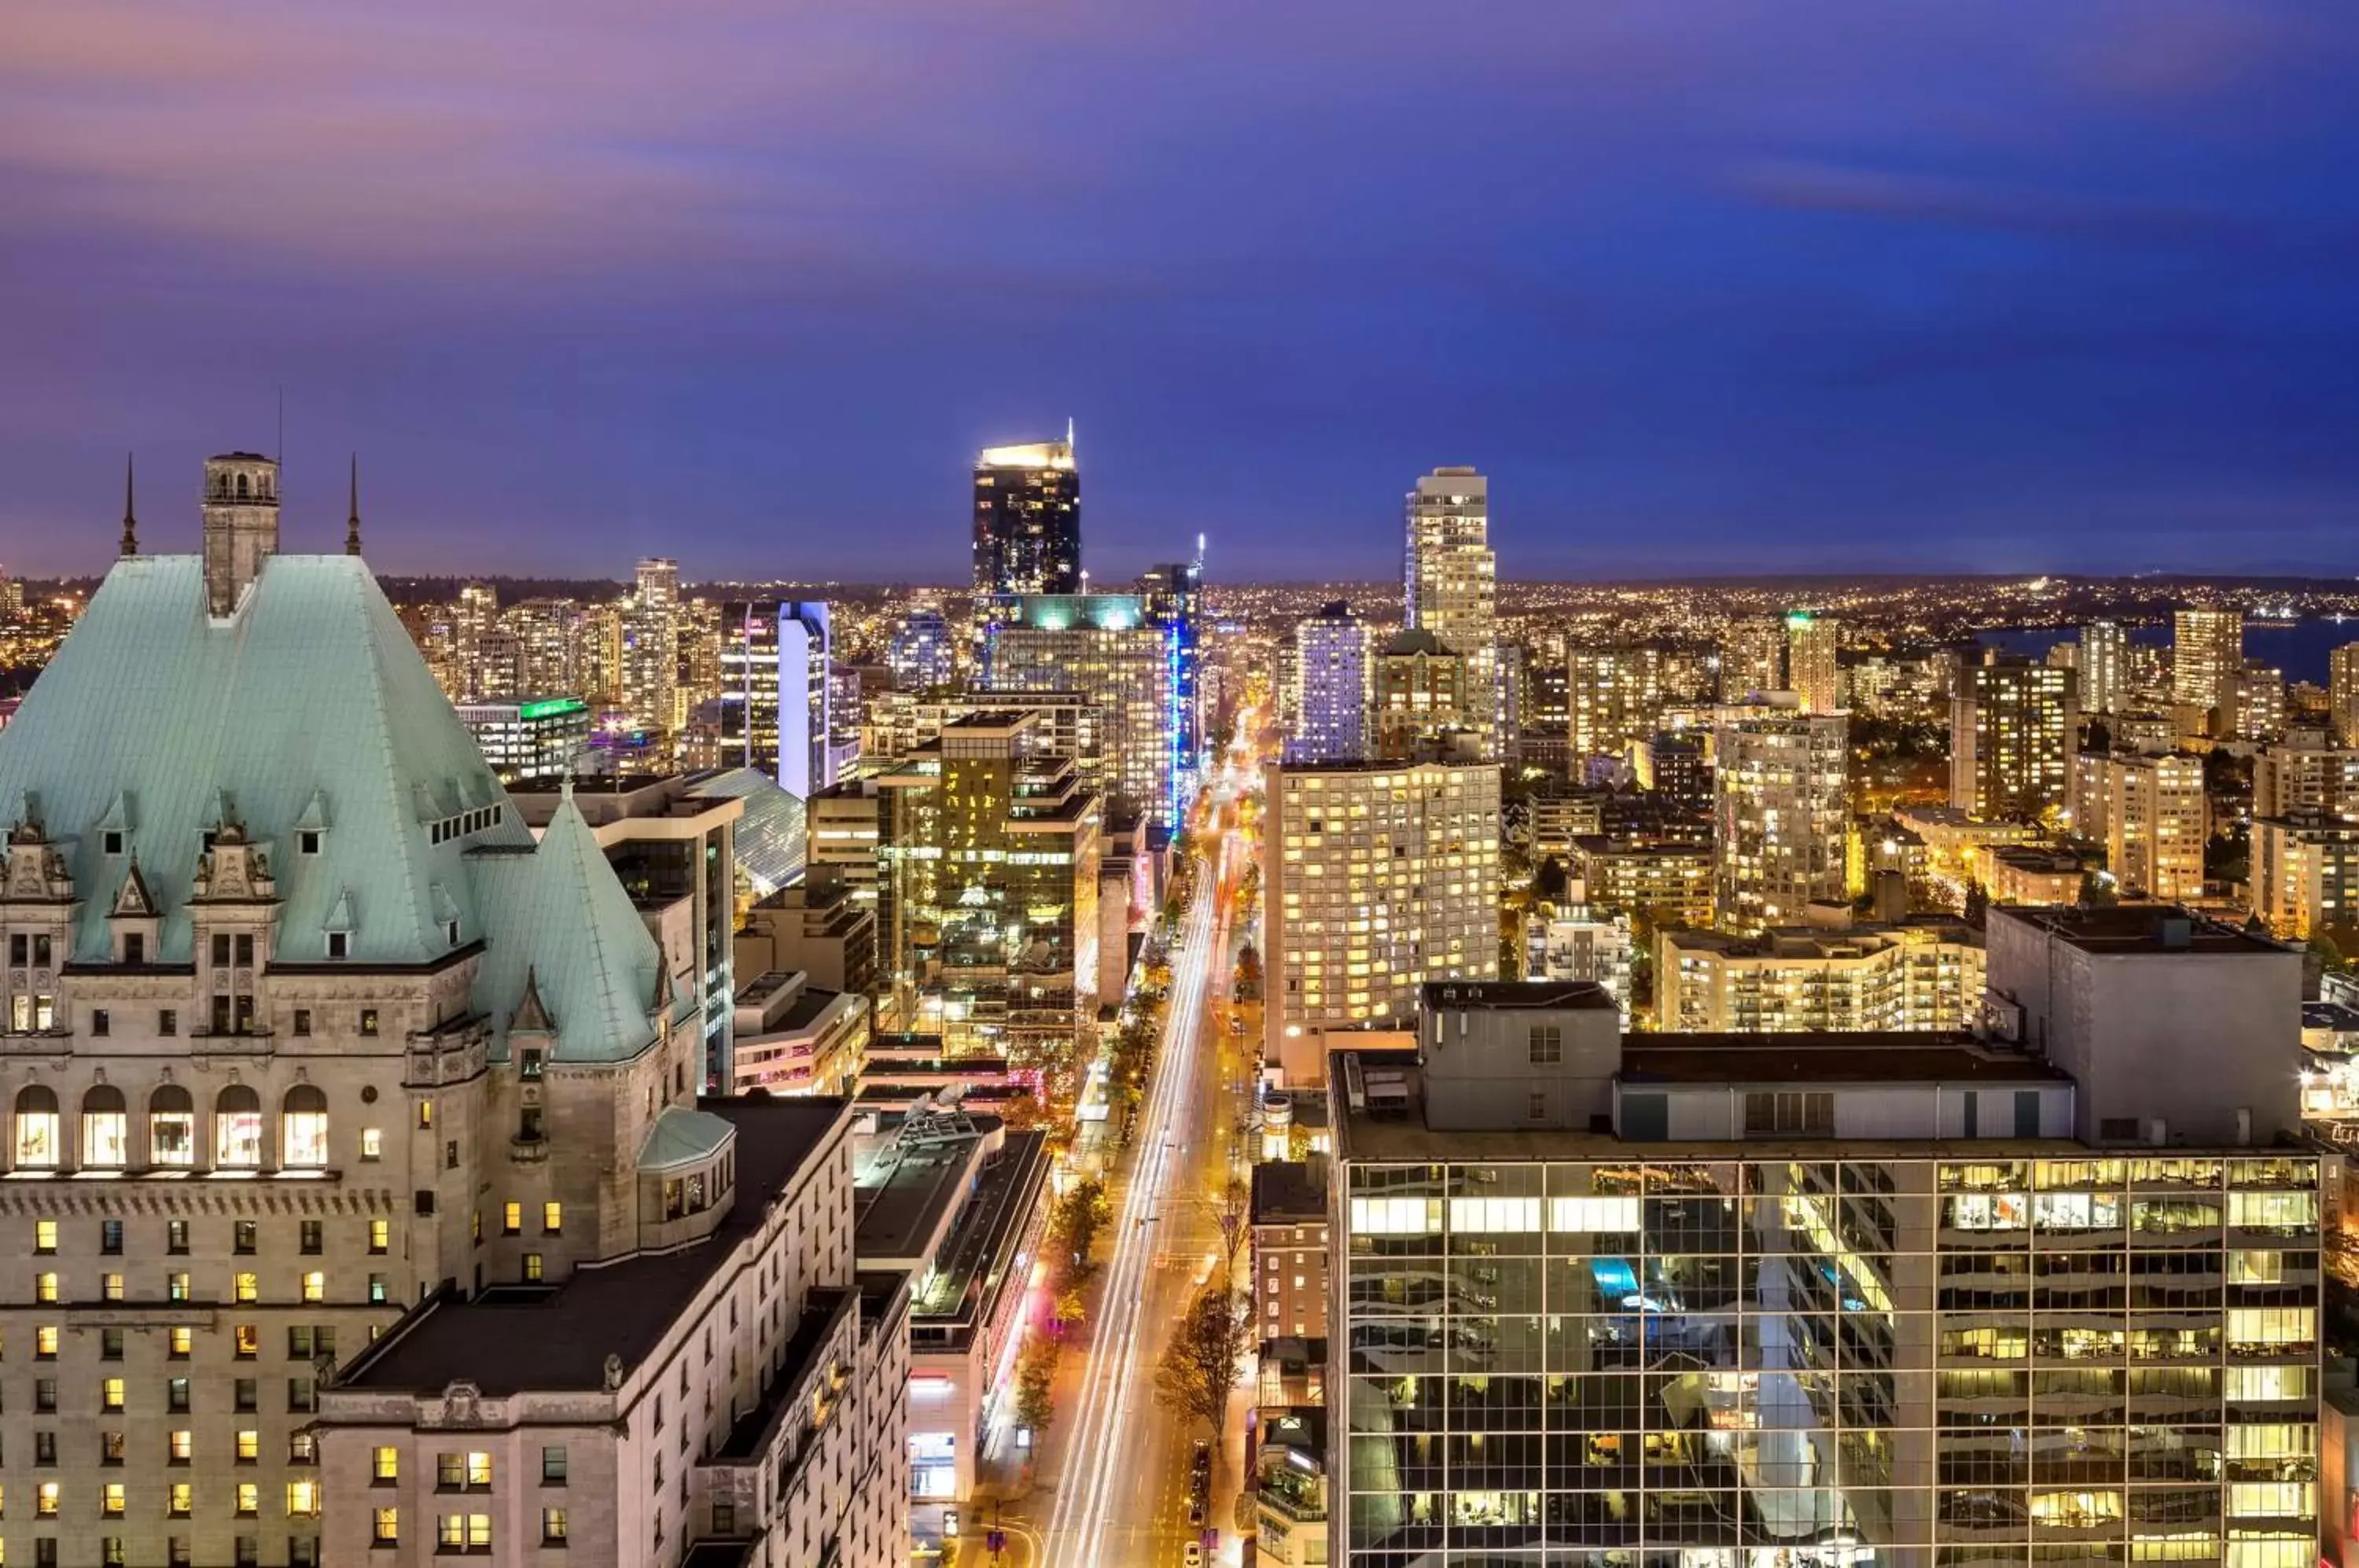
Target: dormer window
(134, 947)
(308, 841)
(110, 841)
(451, 932)
(338, 945)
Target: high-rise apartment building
(1027, 519)
(552, 654)
(1919, 976)
(2014, 730)
(649, 674)
(2104, 667)
(1110, 648)
(314, 1040)
(2343, 692)
(1753, 658)
(2305, 772)
(2152, 816)
(1781, 807)
(2207, 662)
(1376, 877)
(1833, 1300)
(1617, 697)
(2306, 873)
(2260, 703)
(1812, 671)
(1334, 673)
(1451, 592)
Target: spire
(353, 523)
(130, 520)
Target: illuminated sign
(553, 706)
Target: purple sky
(1795, 285)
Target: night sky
(1800, 285)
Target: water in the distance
(2299, 649)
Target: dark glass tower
(1027, 519)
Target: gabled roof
(561, 921)
(310, 705)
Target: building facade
(1780, 806)
(2014, 731)
(2152, 815)
(1375, 878)
(2104, 667)
(529, 738)
(1812, 673)
(1332, 674)
(1889, 978)
(1112, 649)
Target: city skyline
(2067, 302)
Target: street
(1121, 1484)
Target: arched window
(237, 1129)
(171, 1126)
(37, 1129)
(105, 1129)
(303, 1129)
(241, 487)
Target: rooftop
(2136, 929)
(1861, 1057)
(515, 1340)
(1500, 996)
(1287, 1190)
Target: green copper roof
(559, 914)
(310, 711)
(310, 707)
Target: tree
(1036, 1382)
(1977, 904)
(1234, 1215)
(1077, 1217)
(1202, 1362)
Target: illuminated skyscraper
(1752, 659)
(1332, 672)
(2105, 668)
(920, 653)
(1027, 519)
(1781, 809)
(1811, 672)
(775, 705)
(1106, 647)
(1617, 697)
(2342, 692)
(650, 638)
(2207, 662)
(1451, 592)
(2013, 726)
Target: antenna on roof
(130, 521)
(353, 523)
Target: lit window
(45, 1235)
(110, 1394)
(45, 1286)
(45, 1499)
(380, 1235)
(37, 1126)
(386, 1464)
(238, 1129)
(246, 1288)
(511, 1219)
(183, 1445)
(388, 1525)
(249, 1446)
(552, 1219)
(249, 1498)
(302, 1499)
(303, 1129)
(372, 1143)
(110, 1499)
(315, 1286)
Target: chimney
(241, 510)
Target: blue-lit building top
(1138, 653)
